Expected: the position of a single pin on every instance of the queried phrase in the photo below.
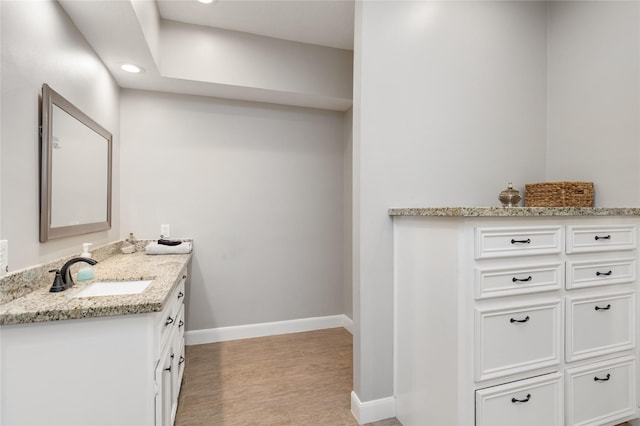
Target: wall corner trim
(221, 334)
(372, 411)
(347, 323)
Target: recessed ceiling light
(206, 1)
(135, 69)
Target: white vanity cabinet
(170, 366)
(113, 370)
(515, 320)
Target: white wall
(347, 301)
(449, 105)
(260, 189)
(594, 102)
(1, 272)
(41, 45)
(245, 60)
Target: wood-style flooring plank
(292, 379)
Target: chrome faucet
(63, 279)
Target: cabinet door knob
(180, 295)
(598, 379)
(168, 368)
(526, 399)
(181, 360)
(527, 241)
(606, 237)
(512, 320)
(184, 277)
(603, 273)
(180, 324)
(169, 321)
(606, 308)
(514, 279)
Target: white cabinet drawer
(600, 393)
(516, 339)
(497, 282)
(600, 325)
(584, 239)
(182, 359)
(523, 241)
(180, 325)
(168, 319)
(531, 402)
(595, 273)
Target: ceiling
(135, 31)
(322, 22)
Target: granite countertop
(515, 211)
(40, 305)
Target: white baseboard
(372, 411)
(347, 323)
(221, 334)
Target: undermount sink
(114, 288)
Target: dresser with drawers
(516, 319)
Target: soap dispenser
(86, 271)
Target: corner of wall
(372, 411)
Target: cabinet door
(531, 402)
(175, 372)
(164, 386)
(177, 355)
(601, 393)
(514, 339)
(181, 364)
(599, 325)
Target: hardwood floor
(291, 379)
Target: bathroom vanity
(516, 316)
(108, 360)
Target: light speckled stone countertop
(40, 305)
(515, 211)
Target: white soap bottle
(86, 271)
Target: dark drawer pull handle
(168, 368)
(528, 397)
(512, 320)
(180, 324)
(598, 379)
(606, 237)
(527, 241)
(604, 273)
(181, 360)
(184, 277)
(168, 321)
(606, 308)
(514, 279)
(180, 295)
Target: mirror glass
(75, 161)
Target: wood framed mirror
(75, 170)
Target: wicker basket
(558, 194)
